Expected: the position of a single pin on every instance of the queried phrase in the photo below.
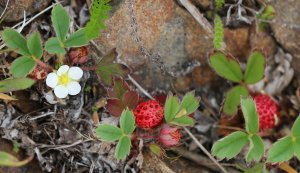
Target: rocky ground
(167, 50)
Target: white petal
(52, 80)
(62, 70)
(61, 91)
(75, 73)
(74, 88)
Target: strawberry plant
(232, 144)
(162, 124)
(282, 150)
(229, 68)
(61, 23)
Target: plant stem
(140, 88)
(42, 64)
(204, 150)
(89, 68)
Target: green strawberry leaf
(281, 151)
(22, 66)
(54, 46)
(296, 147)
(226, 67)
(60, 21)
(190, 103)
(77, 39)
(296, 127)
(15, 40)
(171, 107)
(108, 132)
(233, 99)
(123, 148)
(34, 44)
(229, 146)
(256, 149)
(255, 68)
(127, 122)
(250, 115)
(9, 85)
(183, 121)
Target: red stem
(89, 68)
(42, 64)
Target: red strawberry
(148, 114)
(38, 73)
(267, 110)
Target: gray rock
(286, 25)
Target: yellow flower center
(64, 79)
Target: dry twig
(198, 16)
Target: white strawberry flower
(65, 81)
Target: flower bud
(78, 55)
(169, 136)
(38, 73)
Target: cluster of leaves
(230, 69)
(122, 134)
(232, 144)
(30, 51)
(281, 151)
(99, 13)
(61, 23)
(121, 97)
(178, 113)
(175, 113)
